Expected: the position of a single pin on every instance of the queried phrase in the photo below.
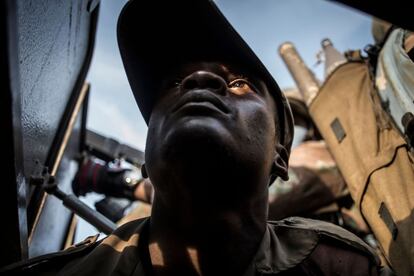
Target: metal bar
(92, 4)
(306, 81)
(99, 221)
(68, 132)
(84, 119)
(62, 146)
(70, 236)
(109, 149)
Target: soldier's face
(210, 113)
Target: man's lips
(201, 100)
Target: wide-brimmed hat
(155, 35)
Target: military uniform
(294, 246)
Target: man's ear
(144, 171)
(281, 163)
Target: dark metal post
(13, 236)
(96, 219)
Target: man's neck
(205, 244)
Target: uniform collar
(282, 249)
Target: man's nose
(205, 80)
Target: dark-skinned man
(216, 118)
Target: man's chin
(196, 135)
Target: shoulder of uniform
(326, 230)
(52, 259)
(55, 261)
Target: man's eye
(239, 84)
(241, 87)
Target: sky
(264, 24)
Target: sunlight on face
(241, 86)
(157, 258)
(193, 253)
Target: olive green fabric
(372, 157)
(294, 246)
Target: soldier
(217, 120)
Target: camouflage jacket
(293, 246)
